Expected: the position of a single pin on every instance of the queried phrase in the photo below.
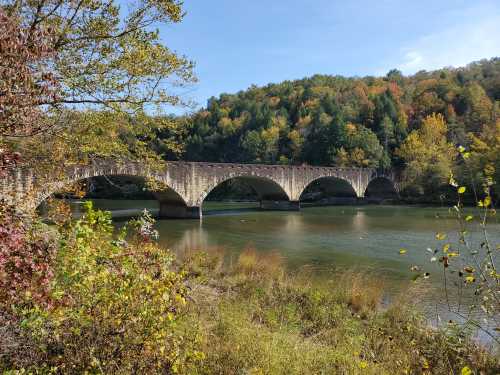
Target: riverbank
(121, 302)
(254, 317)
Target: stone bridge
(187, 184)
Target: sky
(237, 43)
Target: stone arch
(265, 187)
(381, 187)
(167, 194)
(344, 187)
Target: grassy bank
(256, 318)
(79, 298)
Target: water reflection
(192, 239)
(359, 222)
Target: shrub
(117, 303)
(26, 260)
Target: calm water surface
(326, 239)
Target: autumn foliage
(26, 261)
(115, 301)
(26, 81)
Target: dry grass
(252, 263)
(363, 293)
(268, 321)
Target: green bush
(116, 305)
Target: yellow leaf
(461, 190)
(487, 201)
(446, 248)
(440, 236)
(470, 279)
(466, 371)
(425, 365)
(363, 364)
(402, 251)
(466, 155)
(469, 218)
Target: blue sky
(237, 43)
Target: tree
(270, 138)
(395, 75)
(480, 108)
(25, 82)
(295, 144)
(485, 155)
(428, 156)
(104, 55)
(252, 146)
(361, 149)
(78, 58)
(386, 133)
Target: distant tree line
(408, 122)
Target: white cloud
(474, 35)
(413, 60)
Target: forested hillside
(362, 122)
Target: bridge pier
(280, 205)
(172, 210)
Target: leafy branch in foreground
(78, 77)
(106, 55)
(471, 282)
(26, 81)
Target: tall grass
(253, 264)
(265, 320)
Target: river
(327, 240)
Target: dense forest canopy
(360, 122)
(333, 120)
